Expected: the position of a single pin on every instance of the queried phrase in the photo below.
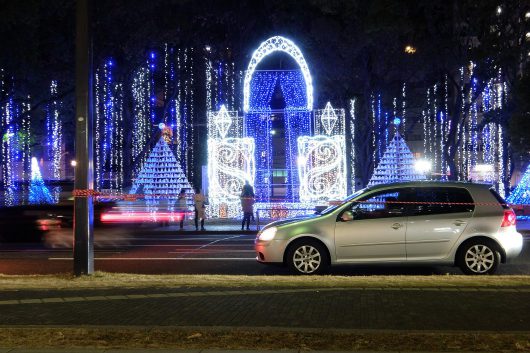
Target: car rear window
(499, 198)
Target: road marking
(161, 258)
(216, 241)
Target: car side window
(439, 200)
(385, 204)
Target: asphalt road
(150, 251)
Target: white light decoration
(322, 168)
(404, 109)
(329, 118)
(161, 179)
(141, 88)
(271, 45)
(231, 162)
(329, 121)
(55, 134)
(352, 142)
(396, 165)
(223, 121)
(322, 158)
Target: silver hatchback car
(446, 223)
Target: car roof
(429, 183)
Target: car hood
(290, 220)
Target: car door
(374, 230)
(436, 220)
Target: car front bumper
(270, 251)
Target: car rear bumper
(511, 242)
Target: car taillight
(509, 218)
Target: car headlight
(268, 234)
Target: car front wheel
(479, 257)
(307, 258)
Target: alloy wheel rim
(479, 258)
(307, 259)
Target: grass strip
(105, 280)
(177, 338)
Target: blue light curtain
(258, 125)
(294, 88)
(262, 87)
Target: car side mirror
(346, 216)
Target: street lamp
(409, 49)
(423, 166)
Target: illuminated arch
(269, 46)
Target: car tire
(307, 257)
(479, 257)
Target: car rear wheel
(479, 257)
(307, 257)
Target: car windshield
(331, 208)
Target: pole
(83, 205)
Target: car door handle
(397, 225)
(459, 223)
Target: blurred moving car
(462, 224)
(30, 223)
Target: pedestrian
(247, 204)
(182, 206)
(247, 189)
(200, 205)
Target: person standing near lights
(200, 204)
(247, 204)
(182, 206)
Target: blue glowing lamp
(397, 121)
(161, 126)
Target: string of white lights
(277, 43)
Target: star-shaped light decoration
(329, 118)
(223, 121)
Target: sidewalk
(362, 318)
(88, 350)
(103, 350)
(460, 309)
